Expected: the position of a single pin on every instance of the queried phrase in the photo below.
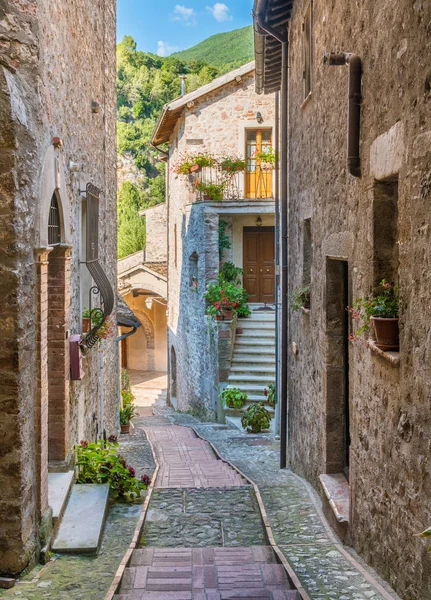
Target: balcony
(214, 184)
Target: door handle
(261, 270)
(268, 271)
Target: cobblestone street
(203, 536)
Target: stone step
(253, 369)
(83, 521)
(259, 344)
(250, 379)
(241, 358)
(250, 389)
(257, 332)
(59, 486)
(270, 325)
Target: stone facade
(156, 246)
(57, 132)
(216, 121)
(349, 232)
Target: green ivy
(223, 239)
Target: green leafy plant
(214, 191)
(233, 397)
(300, 298)
(212, 311)
(99, 462)
(231, 273)
(384, 303)
(256, 418)
(127, 413)
(125, 380)
(223, 239)
(265, 157)
(270, 393)
(232, 164)
(223, 296)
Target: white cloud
(163, 48)
(187, 15)
(220, 12)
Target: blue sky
(165, 26)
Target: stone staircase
(253, 361)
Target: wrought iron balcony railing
(215, 185)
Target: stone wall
(156, 249)
(390, 423)
(56, 60)
(218, 122)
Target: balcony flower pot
(219, 317)
(239, 330)
(125, 428)
(227, 314)
(195, 168)
(387, 333)
(86, 324)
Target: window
(258, 174)
(307, 55)
(54, 223)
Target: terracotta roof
(160, 268)
(172, 111)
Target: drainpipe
(354, 123)
(284, 40)
(277, 255)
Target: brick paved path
(186, 461)
(207, 503)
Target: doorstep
(336, 504)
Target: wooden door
(259, 263)
(258, 180)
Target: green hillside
(223, 50)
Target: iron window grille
(54, 223)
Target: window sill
(307, 100)
(391, 357)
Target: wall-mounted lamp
(259, 221)
(259, 118)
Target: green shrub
(99, 462)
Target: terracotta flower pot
(194, 168)
(86, 324)
(219, 318)
(239, 330)
(125, 428)
(227, 314)
(387, 333)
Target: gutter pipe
(354, 106)
(277, 254)
(259, 18)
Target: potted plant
(86, 320)
(300, 298)
(212, 311)
(233, 398)
(191, 163)
(211, 191)
(270, 394)
(232, 164)
(265, 158)
(382, 310)
(256, 418)
(128, 411)
(224, 297)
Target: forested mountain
(145, 82)
(223, 50)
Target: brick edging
(287, 566)
(136, 535)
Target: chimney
(183, 84)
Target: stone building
(58, 161)
(358, 126)
(142, 281)
(225, 117)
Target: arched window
(54, 223)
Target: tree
(131, 226)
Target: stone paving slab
(84, 518)
(203, 517)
